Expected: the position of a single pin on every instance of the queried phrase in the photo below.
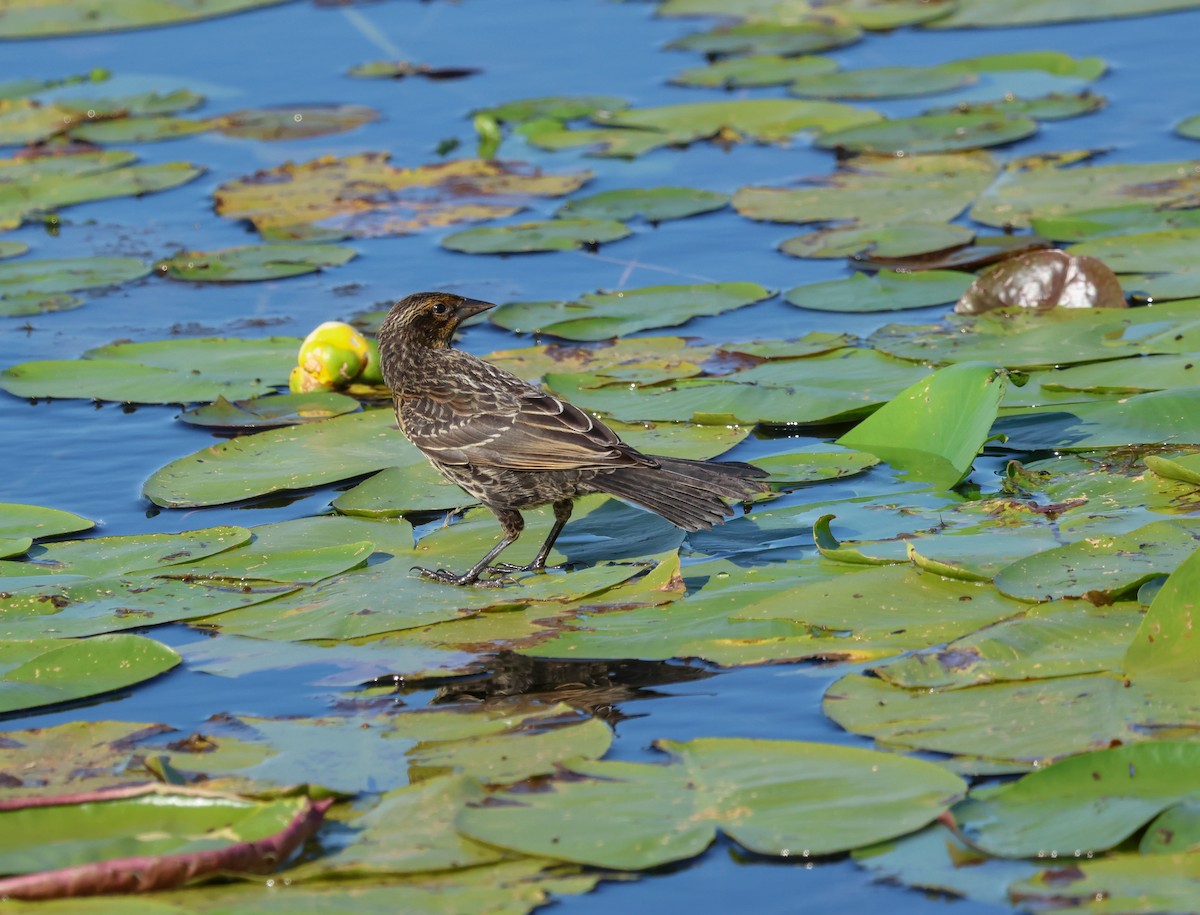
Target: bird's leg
(562, 513)
(512, 524)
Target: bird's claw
(507, 568)
(446, 577)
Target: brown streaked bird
(513, 446)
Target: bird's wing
(498, 420)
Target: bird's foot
(507, 568)
(446, 577)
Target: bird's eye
(440, 308)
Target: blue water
(92, 459)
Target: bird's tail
(693, 495)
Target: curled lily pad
(363, 195)
(167, 371)
(656, 204)
(253, 262)
(885, 291)
(933, 133)
(294, 122)
(271, 410)
(601, 316)
(935, 428)
(156, 839)
(547, 235)
(37, 672)
(46, 182)
(35, 19)
(1041, 280)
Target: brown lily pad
(364, 195)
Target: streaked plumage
(513, 446)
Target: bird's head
(427, 318)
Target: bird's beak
(468, 308)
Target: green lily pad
(1126, 376)
(35, 19)
(271, 411)
(24, 281)
(1088, 803)
(253, 262)
(753, 70)
(1105, 568)
(835, 386)
(37, 185)
(882, 15)
(35, 522)
(362, 195)
(884, 241)
(545, 235)
(1037, 189)
(1055, 639)
(139, 130)
(656, 204)
(930, 133)
(671, 813)
(167, 371)
(883, 291)
(1115, 221)
(1163, 251)
(881, 611)
(805, 467)
(881, 82)
(1055, 63)
(1189, 127)
(938, 861)
(1158, 417)
(1060, 336)
(1115, 883)
(1031, 720)
(973, 14)
(291, 458)
(501, 746)
(410, 830)
(876, 190)
(1057, 106)
(934, 429)
(37, 672)
(552, 107)
(1185, 469)
(770, 38)
(411, 487)
(19, 306)
(602, 316)
(633, 131)
(12, 249)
